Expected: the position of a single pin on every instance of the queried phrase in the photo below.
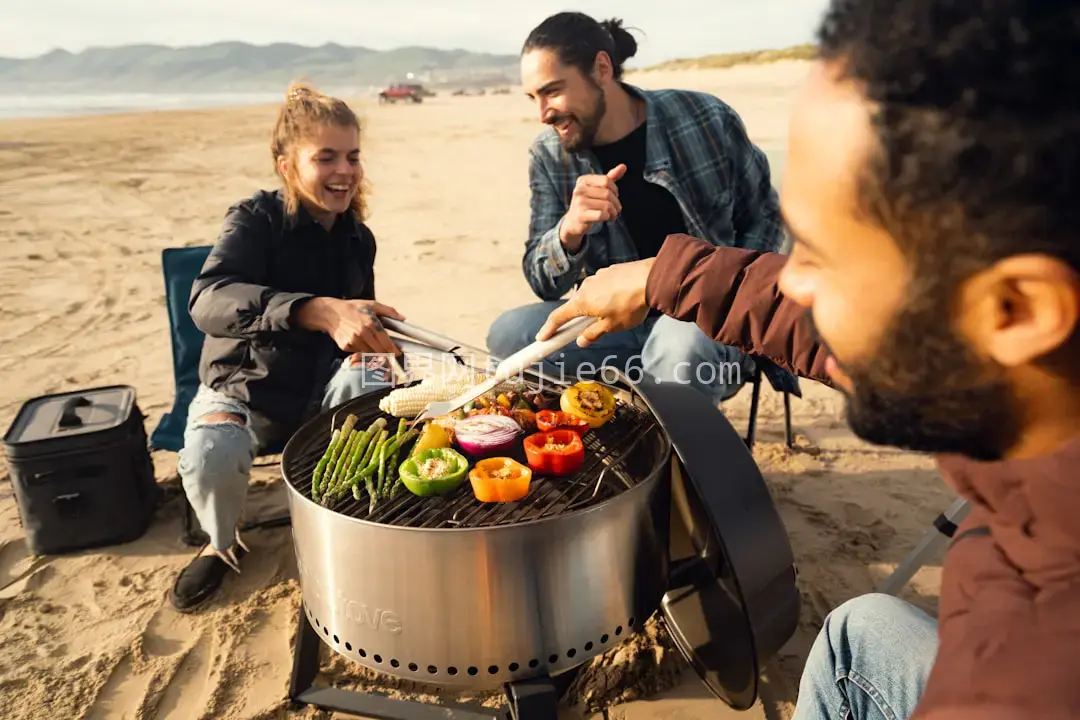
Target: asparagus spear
(335, 478)
(324, 461)
(346, 436)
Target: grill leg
(304, 691)
(751, 431)
(533, 700)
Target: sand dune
(87, 205)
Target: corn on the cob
(411, 401)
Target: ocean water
(41, 106)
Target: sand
(86, 206)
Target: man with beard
(617, 170)
(931, 191)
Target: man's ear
(603, 69)
(1028, 308)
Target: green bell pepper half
(418, 484)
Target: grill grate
(616, 459)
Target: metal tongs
(507, 368)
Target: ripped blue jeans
(215, 462)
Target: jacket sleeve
(731, 294)
(229, 297)
(549, 269)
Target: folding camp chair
(180, 267)
(944, 528)
(755, 380)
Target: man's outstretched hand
(614, 295)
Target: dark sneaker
(199, 581)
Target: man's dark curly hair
(977, 117)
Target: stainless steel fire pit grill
(669, 513)
(458, 592)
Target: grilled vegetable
(410, 401)
(559, 452)
(435, 471)
(525, 417)
(548, 420)
(433, 436)
(500, 479)
(590, 401)
(320, 469)
(482, 435)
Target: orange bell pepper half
(549, 420)
(559, 452)
(500, 479)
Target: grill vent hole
(394, 662)
(553, 659)
(414, 667)
(362, 653)
(534, 662)
(326, 631)
(377, 658)
(514, 667)
(336, 641)
(588, 646)
(473, 671)
(603, 639)
(571, 652)
(493, 670)
(432, 669)
(618, 630)
(348, 646)
(631, 623)
(452, 670)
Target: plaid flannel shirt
(697, 148)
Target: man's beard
(925, 390)
(587, 126)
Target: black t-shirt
(650, 212)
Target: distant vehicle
(396, 92)
(469, 92)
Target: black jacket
(263, 265)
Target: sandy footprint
(254, 679)
(19, 572)
(122, 695)
(167, 633)
(188, 690)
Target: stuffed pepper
(589, 401)
(559, 452)
(500, 479)
(435, 471)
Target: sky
(664, 29)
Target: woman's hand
(353, 324)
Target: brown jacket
(1010, 592)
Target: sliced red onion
(486, 434)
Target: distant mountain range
(241, 67)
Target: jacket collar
(656, 154)
(1037, 496)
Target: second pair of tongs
(507, 368)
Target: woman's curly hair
(304, 110)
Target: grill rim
(664, 453)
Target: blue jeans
(870, 662)
(215, 462)
(666, 349)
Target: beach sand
(87, 205)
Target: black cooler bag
(81, 470)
